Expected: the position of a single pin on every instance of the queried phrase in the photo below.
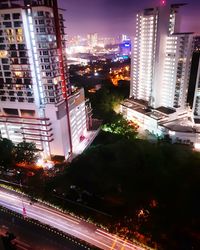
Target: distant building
(125, 48)
(122, 38)
(92, 40)
(197, 43)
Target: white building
(163, 121)
(176, 70)
(77, 114)
(165, 77)
(35, 97)
(161, 58)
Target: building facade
(161, 58)
(92, 40)
(165, 78)
(34, 91)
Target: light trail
(59, 214)
(66, 223)
(113, 245)
(111, 236)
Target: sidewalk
(87, 141)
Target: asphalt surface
(33, 237)
(65, 222)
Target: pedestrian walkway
(88, 139)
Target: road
(31, 236)
(65, 222)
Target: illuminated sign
(127, 45)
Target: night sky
(113, 17)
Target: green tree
(26, 152)
(6, 155)
(118, 125)
(105, 101)
(36, 182)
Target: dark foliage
(127, 176)
(26, 152)
(11, 154)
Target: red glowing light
(24, 211)
(163, 2)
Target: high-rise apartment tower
(34, 89)
(161, 58)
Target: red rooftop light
(163, 2)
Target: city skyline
(115, 17)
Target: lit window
(9, 31)
(3, 53)
(19, 31)
(18, 73)
(19, 39)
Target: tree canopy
(6, 152)
(151, 189)
(26, 152)
(107, 100)
(22, 152)
(119, 125)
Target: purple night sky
(114, 17)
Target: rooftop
(142, 107)
(157, 115)
(136, 105)
(181, 125)
(165, 110)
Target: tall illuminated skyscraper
(34, 89)
(161, 58)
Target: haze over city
(113, 17)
